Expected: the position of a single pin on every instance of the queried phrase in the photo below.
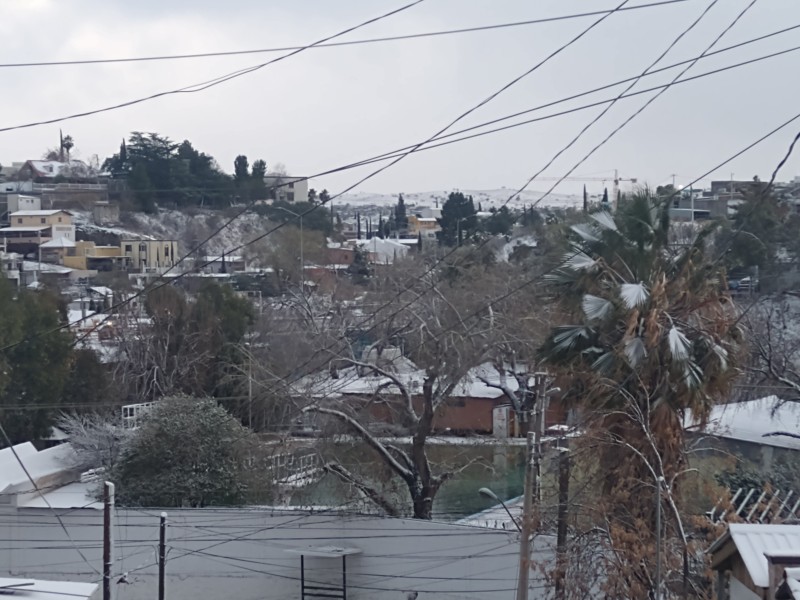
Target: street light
(302, 262)
(487, 493)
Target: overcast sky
(328, 107)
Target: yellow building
(425, 225)
(150, 256)
(88, 255)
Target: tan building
(150, 256)
(428, 226)
(30, 228)
(88, 255)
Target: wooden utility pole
(527, 522)
(162, 555)
(108, 542)
(540, 408)
(561, 529)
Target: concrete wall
(237, 553)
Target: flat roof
(325, 551)
(21, 229)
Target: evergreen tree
(400, 215)
(380, 226)
(459, 219)
(358, 226)
(419, 241)
(139, 182)
(324, 197)
(312, 196)
(605, 197)
(585, 199)
(241, 170)
(259, 170)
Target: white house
(383, 252)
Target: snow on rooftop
(40, 589)
(38, 464)
(38, 213)
(755, 541)
(61, 242)
(30, 265)
(73, 495)
(750, 421)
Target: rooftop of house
(754, 542)
(21, 229)
(40, 589)
(38, 213)
(476, 384)
(61, 242)
(753, 421)
(39, 464)
(54, 168)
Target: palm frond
(635, 351)
(633, 294)
(679, 344)
(579, 261)
(585, 231)
(596, 308)
(566, 337)
(562, 277)
(605, 220)
(604, 364)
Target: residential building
(382, 251)
(88, 255)
(18, 202)
(427, 226)
(330, 547)
(150, 256)
(226, 263)
(30, 228)
(285, 188)
(754, 561)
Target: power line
(351, 187)
(527, 183)
(650, 101)
(43, 497)
(202, 86)
(394, 38)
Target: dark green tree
(400, 215)
(34, 372)
(188, 452)
(324, 197)
(139, 182)
(312, 196)
(500, 223)
(241, 170)
(459, 219)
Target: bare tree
(440, 331)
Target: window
(291, 185)
(290, 196)
(142, 247)
(59, 219)
(128, 247)
(166, 250)
(19, 220)
(42, 220)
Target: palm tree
(652, 335)
(67, 144)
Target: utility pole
(527, 522)
(540, 409)
(659, 482)
(162, 555)
(561, 528)
(108, 542)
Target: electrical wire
(381, 169)
(43, 497)
(202, 86)
(394, 38)
(648, 103)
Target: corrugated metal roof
(753, 541)
(39, 589)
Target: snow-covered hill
(487, 198)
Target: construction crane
(615, 180)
